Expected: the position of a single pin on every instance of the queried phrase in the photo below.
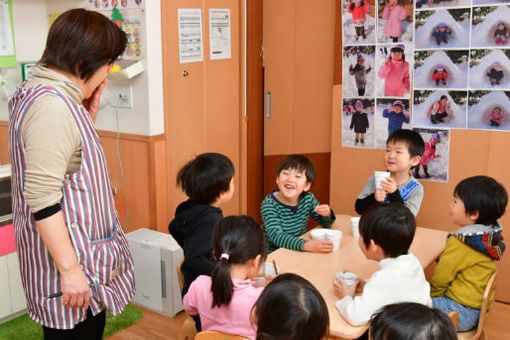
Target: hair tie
(224, 256)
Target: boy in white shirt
(386, 233)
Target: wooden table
(320, 269)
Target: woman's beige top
(51, 139)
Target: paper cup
(334, 236)
(355, 226)
(379, 176)
(266, 269)
(319, 234)
(348, 277)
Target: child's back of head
(291, 308)
(412, 139)
(391, 226)
(206, 177)
(409, 320)
(484, 195)
(236, 241)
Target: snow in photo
(444, 28)
(391, 114)
(395, 21)
(430, 4)
(489, 110)
(358, 21)
(490, 26)
(358, 123)
(393, 64)
(439, 109)
(490, 2)
(441, 69)
(434, 161)
(358, 71)
(489, 69)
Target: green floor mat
(23, 328)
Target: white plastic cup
(318, 234)
(355, 226)
(348, 277)
(266, 269)
(334, 236)
(379, 176)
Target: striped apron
(91, 218)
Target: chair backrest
(489, 289)
(214, 335)
(180, 277)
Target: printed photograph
(441, 69)
(444, 28)
(489, 110)
(440, 109)
(395, 21)
(358, 123)
(434, 160)
(358, 22)
(393, 66)
(358, 71)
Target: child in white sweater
(386, 233)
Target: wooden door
(202, 99)
(298, 68)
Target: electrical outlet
(121, 96)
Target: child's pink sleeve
(190, 300)
(405, 79)
(402, 13)
(385, 70)
(386, 12)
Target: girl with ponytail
(224, 300)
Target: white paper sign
(6, 43)
(190, 35)
(219, 33)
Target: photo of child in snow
(358, 21)
(393, 64)
(357, 125)
(430, 4)
(434, 160)
(444, 28)
(490, 26)
(390, 115)
(395, 21)
(358, 73)
(441, 69)
(446, 109)
(489, 2)
(489, 110)
(489, 69)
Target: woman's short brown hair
(81, 41)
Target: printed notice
(219, 28)
(190, 35)
(6, 41)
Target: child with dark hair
(208, 181)
(403, 152)
(496, 116)
(386, 233)
(359, 122)
(440, 111)
(441, 33)
(440, 75)
(468, 260)
(358, 10)
(225, 299)
(410, 320)
(395, 71)
(396, 117)
(495, 74)
(285, 211)
(359, 71)
(291, 308)
(501, 33)
(428, 154)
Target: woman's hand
(92, 103)
(75, 288)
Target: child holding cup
(403, 152)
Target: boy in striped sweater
(285, 211)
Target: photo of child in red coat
(440, 75)
(395, 72)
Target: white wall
(147, 115)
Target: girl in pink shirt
(224, 300)
(395, 71)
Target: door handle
(268, 104)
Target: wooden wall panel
(4, 143)
(472, 153)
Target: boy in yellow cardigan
(468, 260)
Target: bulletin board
(7, 46)
(471, 152)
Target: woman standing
(68, 233)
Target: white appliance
(156, 256)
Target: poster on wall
(434, 162)
(190, 35)
(219, 33)
(107, 5)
